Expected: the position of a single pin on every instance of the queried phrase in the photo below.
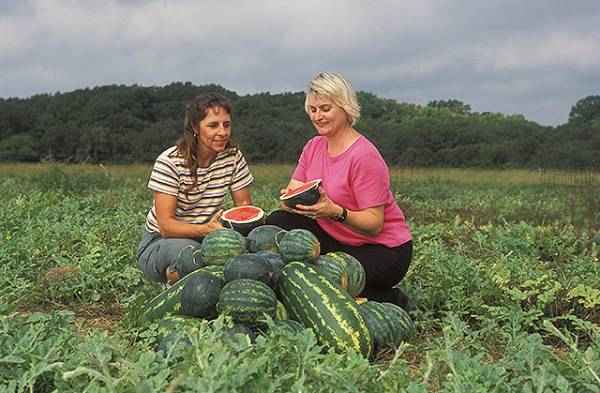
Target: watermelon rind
(328, 310)
(334, 270)
(263, 238)
(250, 266)
(243, 226)
(200, 295)
(382, 327)
(247, 301)
(307, 197)
(405, 326)
(168, 301)
(299, 245)
(357, 276)
(221, 245)
(188, 260)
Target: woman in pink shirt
(357, 212)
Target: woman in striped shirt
(190, 181)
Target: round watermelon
(250, 266)
(221, 245)
(247, 301)
(299, 245)
(200, 295)
(262, 238)
(188, 260)
(388, 324)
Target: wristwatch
(342, 216)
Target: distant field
(274, 171)
(506, 277)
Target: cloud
(535, 58)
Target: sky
(533, 57)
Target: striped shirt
(227, 173)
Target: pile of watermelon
(278, 274)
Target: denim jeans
(155, 253)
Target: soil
(87, 317)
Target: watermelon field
(505, 278)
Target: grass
(505, 275)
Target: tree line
(125, 124)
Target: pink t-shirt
(356, 179)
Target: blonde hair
(339, 90)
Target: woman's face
(214, 131)
(327, 117)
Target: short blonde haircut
(335, 87)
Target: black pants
(385, 267)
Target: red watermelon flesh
(301, 189)
(243, 214)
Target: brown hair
(195, 111)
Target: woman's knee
(280, 218)
(151, 264)
(287, 220)
(383, 266)
(162, 253)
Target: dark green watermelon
(188, 260)
(262, 238)
(250, 266)
(276, 262)
(200, 295)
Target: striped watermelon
(168, 301)
(247, 301)
(173, 331)
(217, 270)
(280, 312)
(357, 277)
(288, 325)
(328, 310)
(333, 269)
(221, 245)
(405, 327)
(389, 324)
(299, 245)
(274, 259)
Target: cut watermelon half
(306, 194)
(243, 218)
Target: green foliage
(33, 349)
(123, 124)
(585, 110)
(505, 277)
(18, 147)
(451, 105)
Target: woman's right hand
(215, 221)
